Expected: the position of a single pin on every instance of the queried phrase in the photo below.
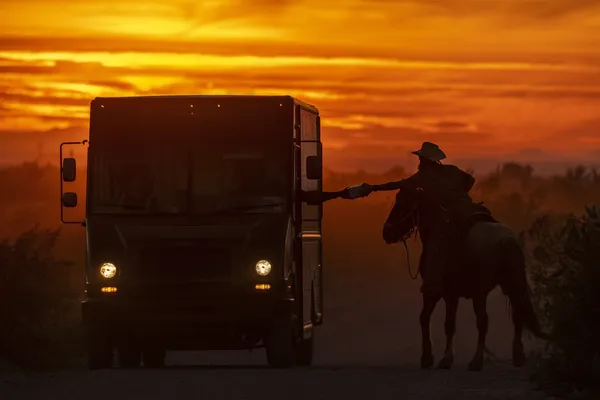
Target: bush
(38, 320)
(565, 269)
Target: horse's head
(402, 219)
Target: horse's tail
(514, 284)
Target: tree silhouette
(566, 273)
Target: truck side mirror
(69, 169)
(314, 169)
(69, 199)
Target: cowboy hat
(430, 151)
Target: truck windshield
(164, 178)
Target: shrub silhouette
(565, 267)
(37, 297)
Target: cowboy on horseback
(462, 236)
(445, 208)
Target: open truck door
(308, 222)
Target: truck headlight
(263, 268)
(108, 270)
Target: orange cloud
(479, 77)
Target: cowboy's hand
(356, 191)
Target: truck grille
(185, 264)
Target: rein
(413, 231)
(408, 263)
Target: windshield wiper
(245, 207)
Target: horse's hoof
(426, 362)
(446, 363)
(476, 365)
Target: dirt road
(242, 380)
(368, 349)
(400, 382)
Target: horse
(491, 256)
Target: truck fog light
(263, 268)
(262, 286)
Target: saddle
(479, 216)
(462, 271)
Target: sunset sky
(482, 78)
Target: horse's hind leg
(518, 353)
(450, 329)
(479, 306)
(429, 303)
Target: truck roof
(213, 97)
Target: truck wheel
(129, 357)
(304, 351)
(99, 351)
(304, 347)
(154, 358)
(280, 342)
(130, 353)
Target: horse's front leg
(429, 303)
(480, 308)
(450, 329)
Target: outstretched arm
(362, 190)
(396, 185)
(350, 193)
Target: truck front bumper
(202, 322)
